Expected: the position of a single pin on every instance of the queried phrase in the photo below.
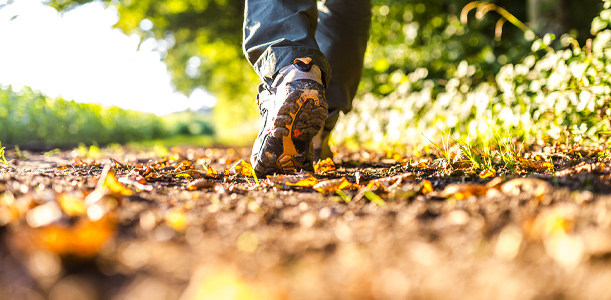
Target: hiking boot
(294, 110)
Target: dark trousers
(333, 33)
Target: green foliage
(200, 41)
(556, 95)
(27, 117)
(425, 70)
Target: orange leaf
(302, 179)
(487, 173)
(427, 187)
(83, 239)
(333, 185)
(464, 190)
(324, 166)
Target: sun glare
(78, 56)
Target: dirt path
(157, 228)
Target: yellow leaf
(110, 183)
(71, 205)
(176, 219)
(487, 173)
(243, 168)
(182, 175)
(210, 171)
(324, 166)
(333, 185)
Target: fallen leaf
(302, 179)
(487, 173)
(210, 171)
(110, 182)
(462, 191)
(201, 184)
(324, 165)
(390, 182)
(176, 219)
(427, 187)
(243, 168)
(333, 185)
(534, 164)
(536, 187)
(72, 205)
(84, 239)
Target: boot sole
(301, 116)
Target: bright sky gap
(79, 56)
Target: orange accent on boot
(305, 60)
(297, 132)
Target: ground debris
(195, 223)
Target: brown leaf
(533, 186)
(390, 182)
(534, 164)
(333, 185)
(201, 184)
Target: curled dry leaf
(243, 168)
(201, 184)
(462, 191)
(390, 182)
(302, 179)
(462, 164)
(107, 185)
(536, 187)
(534, 164)
(324, 165)
(211, 172)
(111, 184)
(333, 185)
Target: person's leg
(279, 42)
(276, 32)
(342, 34)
